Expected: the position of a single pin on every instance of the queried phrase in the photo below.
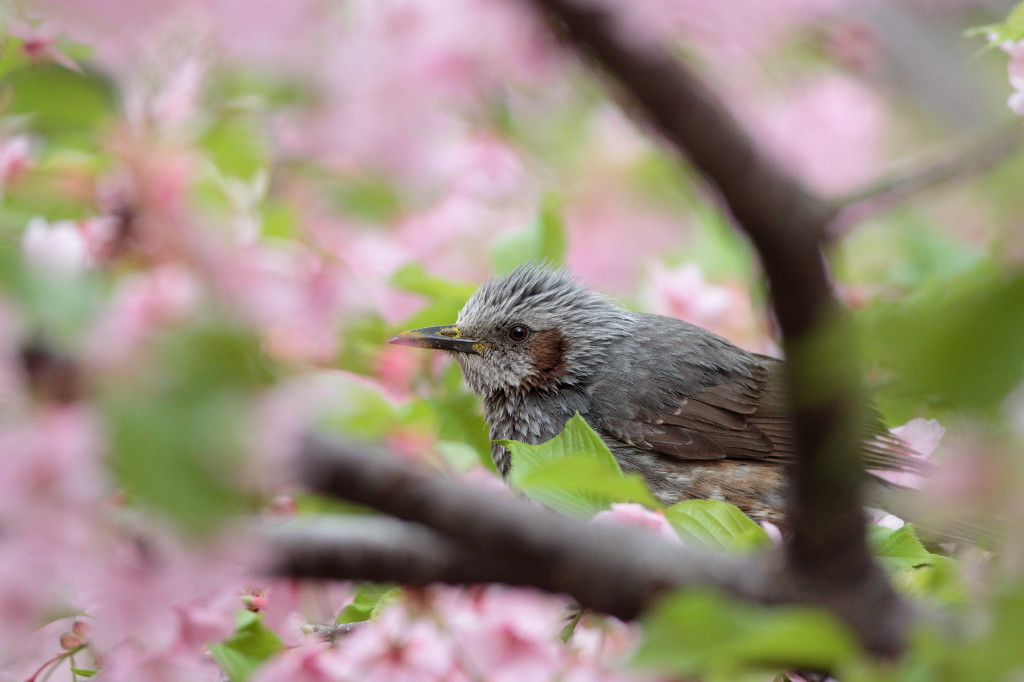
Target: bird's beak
(441, 338)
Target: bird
(695, 415)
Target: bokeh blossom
(213, 214)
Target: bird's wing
(741, 417)
(741, 413)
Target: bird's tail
(909, 505)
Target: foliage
(574, 472)
(249, 647)
(212, 216)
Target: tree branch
(387, 550)
(787, 225)
(476, 536)
(459, 535)
(968, 159)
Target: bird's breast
(528, 417)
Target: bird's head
(535, 329)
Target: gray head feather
(541, 299)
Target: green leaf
(1010, 30)
(459, 418)
(445, 298)
(180, 456)
(574, 472)
(543, 240)
(960, 345)
(899, 549)
(715, 525)
(60, 104)
(85, 672)
(363, 340)
(178, 429)
(252, 644)
(415, 279)
(368, 600)
(237, 145)
(553, 241)
(367, 413)
(279, 221)
(56, 307)
(913, 568)
(215, 355)
(370, 198)
(696, 633)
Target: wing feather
(736, 408)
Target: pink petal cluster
(1016, 73)
(923, 436)
(39, 42)
(684, 292)
(151, 604)
(833, 112)
(446, 635)
(16, 156)
(58, 247)
(714, 27)
(633, 514)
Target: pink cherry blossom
(118, 29)
(923, 436)
(16, 156)
(307, 663)
(713, 26)
(831, 112)
(141, 305)
(633, 514)
(774, 533)
(512, 634)
(612, 234)
(169, 103)
(281, 606)
(397, 647)
(683, 292)
(48, 508)
(191, 593)
(451, 53)
(1016, 73)
(39, 41)
(131, 665)
(292, 296)
(888, 520)
(57, 247)
(26, 593)
(450, 236)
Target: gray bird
(695, 415)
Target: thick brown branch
(968, 159)
(378, 549)
(788, 226)
(460, 535)
(388, 550)
(482, 537)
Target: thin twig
(968, 159)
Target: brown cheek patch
(547, 350)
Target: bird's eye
(518, 332)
